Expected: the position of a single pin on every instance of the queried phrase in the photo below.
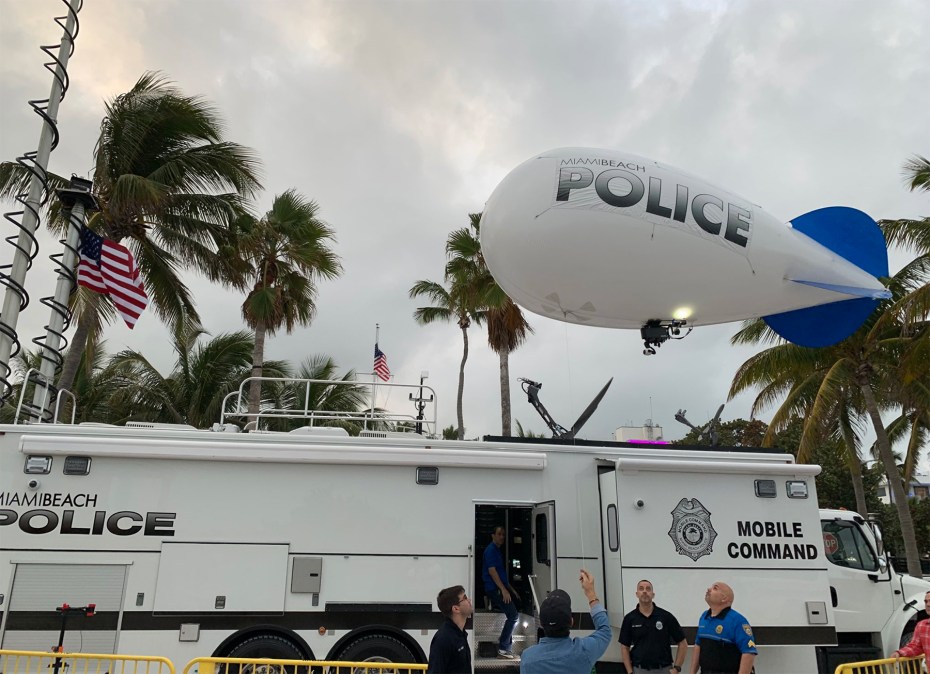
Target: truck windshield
(845, 545)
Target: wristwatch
(677, 668)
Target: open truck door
(543, 577)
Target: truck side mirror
(879, 544)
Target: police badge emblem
(691, 531)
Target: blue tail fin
(856, 237)
(849, 233)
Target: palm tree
(204, 373)
(286, 251)
(507, 326)
(168, 185)
(917, 173)
(912, 388)
(832, 386)
(884, 365)
(459, 302)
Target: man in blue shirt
(499, 591)
(558, 652)
(724, 643)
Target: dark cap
(556, 610)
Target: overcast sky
(400, 118)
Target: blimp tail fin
(856, 237)
(849, 233)
(822, 325)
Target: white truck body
(193, 542)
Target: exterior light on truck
(77, 465)
(766, 489)
(796, 488)
(38, 465)
(427, 475)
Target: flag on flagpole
(381, 366)
(108, 268)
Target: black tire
(906, 637)
(376, 648)
(266, 646)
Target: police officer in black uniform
(646, 636)
(724, 642)
(449, 652)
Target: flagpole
(14, 299)
(374, 377)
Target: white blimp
(601, 237)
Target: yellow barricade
(886, 666)
(270, 666)
(38, 662)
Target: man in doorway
(449, 652)
(647, 634)
(724, 643)
(558, 652)
(498, 588)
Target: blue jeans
(506, 640)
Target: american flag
(109, 269)
(381, 366)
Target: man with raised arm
(558, 652)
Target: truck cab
(874, 606)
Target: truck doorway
(529, 554)
(529, 550)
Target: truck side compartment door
(544, 552)
(32, 622)
(610, 540)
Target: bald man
(724, 642)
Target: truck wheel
(906, 637)
(377, 648)
(266, 646)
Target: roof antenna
(707, 433)
(531, 388)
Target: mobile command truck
(316, 545)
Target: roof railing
(424, 420)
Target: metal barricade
(885, 666)
(39, 662)
(272, 666)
